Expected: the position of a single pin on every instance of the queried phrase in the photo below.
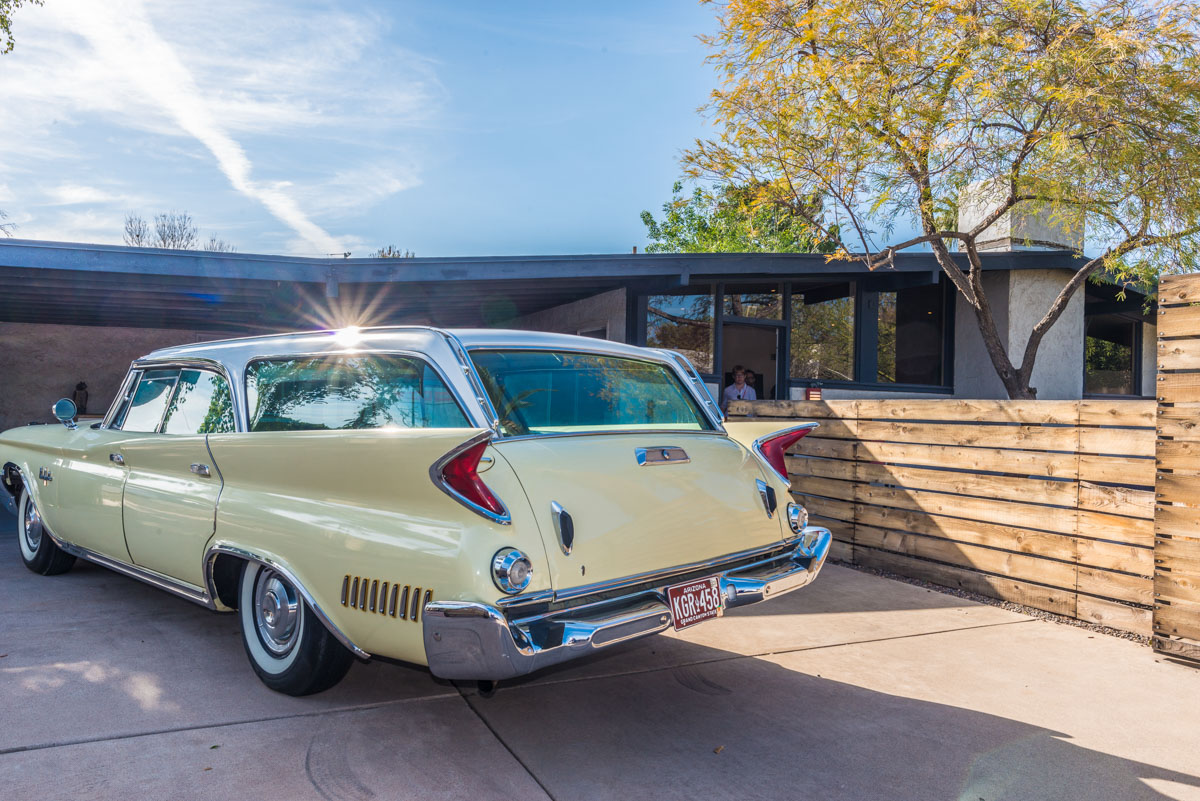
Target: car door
(90, 476)
(172, 486)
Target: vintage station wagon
(486, 503)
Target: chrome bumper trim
(466, 640)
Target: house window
(682, 323)
(822, 333)
(756, 302)
(1110, 363)
(910, 340)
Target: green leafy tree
(1083, 113)
(734, 219)
(7, 8)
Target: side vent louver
(389, 599)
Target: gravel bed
(1009, 605)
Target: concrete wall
(40, 363)
(1058, 371)
(974, 375)
(1019, 299)
(605, 311)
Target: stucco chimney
(1025, 228)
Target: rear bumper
(466, 640)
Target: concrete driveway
(856, 688)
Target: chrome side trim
(218, 548)
(670, 454)
(758, 443)
(190, 592)
(435, 473)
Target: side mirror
(64, 411)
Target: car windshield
(557, 392)
(348, 391)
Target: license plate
(695, 602)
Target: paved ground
(856, 688)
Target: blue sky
(447, 128)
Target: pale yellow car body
(354, 518)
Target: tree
(7, 7)
(173, 230)
(214, 245)
(392, 252)
(732, 219)
(6, 228)
(1084, 113)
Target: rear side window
(348, 392)
(145, 409)
(201, 405)
(556, 392)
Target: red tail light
(457, 474)
(774, 448)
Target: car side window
(202, 404)
(145, 410)
(347, 392)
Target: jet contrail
(123, 36)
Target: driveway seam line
(506, 746)
(220, 725)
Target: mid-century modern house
(72, 313)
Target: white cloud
(260, 85)
(92, 225)
(78, 194)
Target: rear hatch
(631, 516)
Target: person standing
(739, 389)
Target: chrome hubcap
(276, 612)
(33, 526)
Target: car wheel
(38, 551)
(289, 648)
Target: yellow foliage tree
(1087, 113)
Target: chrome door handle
(201, 470)
(116, 458)
(668, 455)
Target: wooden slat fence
(1046, 503)
(1177, 490)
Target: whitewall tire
(289, 648)
(38, 551)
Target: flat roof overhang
(80, 284)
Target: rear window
(347, 392)
(557, 392)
